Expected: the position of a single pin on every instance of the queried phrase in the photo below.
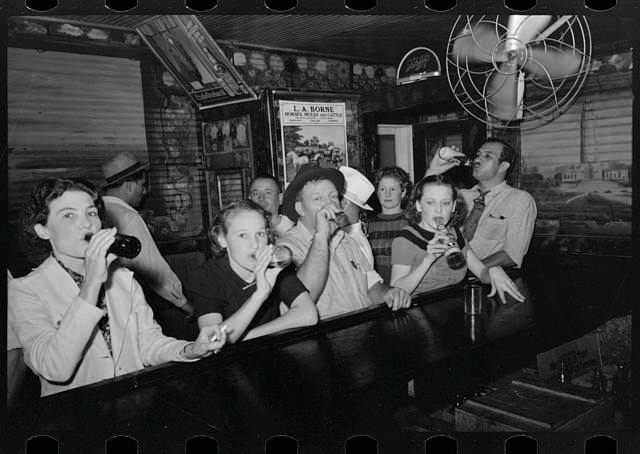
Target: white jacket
(58, 330)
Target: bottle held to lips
(125, 246)
(281, 258)
(342, 220)
(447, 154)
(453, 255)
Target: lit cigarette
(222, 330)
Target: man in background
(125, 188)
(265, 191)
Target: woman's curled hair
(400, 175)
(36, 209)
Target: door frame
(403, 135)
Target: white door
(395, 146)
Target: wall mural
(278, 69)
(578, 168)
(174, 209)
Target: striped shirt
(382, 229)
(410, 249)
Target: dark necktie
(471, 223)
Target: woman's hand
(502, 283)
(265, 277)
(211, 339)
(437, 246)
(96, 258)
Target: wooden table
(342, 377)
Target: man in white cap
(357, 190)
(125, 187)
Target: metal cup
(473, 326)
(473, 299)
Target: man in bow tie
(500, 218)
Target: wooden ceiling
(380, 38)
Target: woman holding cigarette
(79, 317)
(242, 286)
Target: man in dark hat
(330, 264)
(124, 190)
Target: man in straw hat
(330, 263)
(125, 187)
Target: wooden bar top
(326, 383)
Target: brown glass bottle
(125, 246)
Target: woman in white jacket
(80, 317)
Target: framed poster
(227, 135)
(195, 60)
(312, 132)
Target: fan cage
(543, 101)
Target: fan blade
(501, 93)
(476, 45)
(551, 63)
(525, 28)
(553, 27)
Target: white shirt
(506, 223)
(150, 266)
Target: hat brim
(364, 207)
(298, 182)
(117, 178)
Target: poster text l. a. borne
(312, 108)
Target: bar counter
(341, 378)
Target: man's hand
(397, 298)
(440, 165)
(326, 220)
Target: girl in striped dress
(417, 259)
(393, 188)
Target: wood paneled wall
(67, 114)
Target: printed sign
(312, 132)
(579, 356)
(195, 60)
(418, 64)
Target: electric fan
(518, 71)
